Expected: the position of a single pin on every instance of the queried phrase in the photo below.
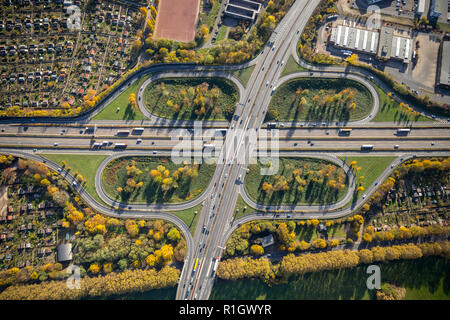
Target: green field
(424, 279)
(187, 99)
(310, 234)
(126, 112)
(243, 207)
(115, 175)
(291, 67)
(314, 192)
(324, 100)
(390, 110)
(221, 34)
(189, 217)
(371, 167)
(244, 74)
(85, 164)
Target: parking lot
(403, 8)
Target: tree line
(101, 286)
(239, 268)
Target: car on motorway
(55, 144)
(155, 152)
(396, 146)
(364, 196)
(138, 141)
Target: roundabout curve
(293, 208)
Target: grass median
(120, 108)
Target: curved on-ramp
(142, 206)
(128, 214)
(308, 208)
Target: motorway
(28, 139)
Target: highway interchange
(27, 138)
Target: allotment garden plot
(298, 181)
(192, 99)
(142, 179)
(320, 100)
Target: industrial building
(355, 38)
(383, 43)
(393, 46)
(242, 9)
(422, 8)
(443, 78)
(439, 9)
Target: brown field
(176, 20)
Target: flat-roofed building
(355, 38)
(439, 9)
(64, 252)
(383, 43)
(392, 46)
(422, 8)
(444, 67)
(242, 9)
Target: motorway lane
(253, 116)
(300, 130)
(368, 129)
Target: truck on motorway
(137, 131)
(122, 132)
(216, 263)
(196, 264)
(344, 132)
(366, 147)
(403, 132)
(120, 145)
(209, 146)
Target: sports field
(176, 20)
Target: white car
(55, 144)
